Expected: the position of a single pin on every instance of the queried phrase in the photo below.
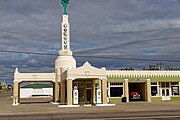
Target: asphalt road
(159, 115)
(41, 109)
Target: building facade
(153, 86)
(98, 85)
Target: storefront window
(175, 88)
(116, 89)
(154, 89)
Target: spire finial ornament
(65, 3)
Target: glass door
(88, 92)
(165, 91)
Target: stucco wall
(28, 92)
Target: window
(116, 89)
(162, 85)
(88, 85)
(80, 87)
(116, 83)
(174, 84)
(153, 83)
(175, 88)
(154, 89)
(163, 92)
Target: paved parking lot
(39, 106)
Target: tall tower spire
(65, 29)
(65, 59)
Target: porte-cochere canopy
(85, 72)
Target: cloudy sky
(107, 33)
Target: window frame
(116, 85)
(155, 84)
(176, 84)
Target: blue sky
(135, 29)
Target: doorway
(84, 91)
(165, 91)
(89, 92)
(137, 92)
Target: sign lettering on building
(65, 36)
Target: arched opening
(36, 92)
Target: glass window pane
(153, 83)
(88, 85)
(167, 92)
(154, 90)
(116, 91)
(116, 83)
(167, 84)
(163, 84)
(175, 90)
(80, 84)
(174, 84)
(163, 92)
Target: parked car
(135, 96)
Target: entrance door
(165, 91)
(89, 95)
(84, 90)
(89, 92)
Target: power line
(134, 59)
(25, 52)
(103, 57)
(34, 36)
(26, 35)
(98, 57)
(95, 50)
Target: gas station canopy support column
(16, 93)
(104, 90)
(69, 91)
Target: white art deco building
(111, 85)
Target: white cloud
(32, 61)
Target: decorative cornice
(141, 73)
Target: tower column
(65, 60)
(65, 33)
